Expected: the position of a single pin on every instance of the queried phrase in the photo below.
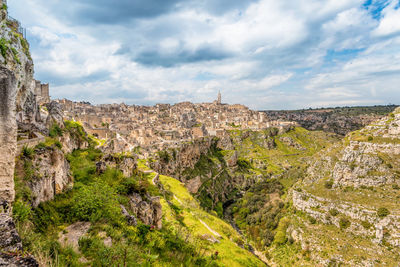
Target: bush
(21, 211)
(329, 184)
(344, 223)
(366, 224)
(94, 202)
(55, 131)
(333, 212)
(370, 138)
(280, 237)
(28, 152)
(164, 156)
(243, 164)
(383, 212)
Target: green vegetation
(344, 223)
(55, 131)
(329, 184)
(4, 47)
(383, 212)
(333, 212)
(96, 198)
(28, 152)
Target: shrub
(370, 138)
(333, 212)
(28, 152)
(94, 202)
(243, 164)
(312, 220)
(164, 156)
(344, 223)
(21, 211)
(3, 47)
(55, 130)
(58, 144)
(366, 224)
(329, 184)
(396, 186)
(383, 212)
(280, 237)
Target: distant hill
(339, 120)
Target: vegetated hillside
(245, 177)
(97, 209)
(346, 210)
(340, 120)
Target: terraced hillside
(347, 207)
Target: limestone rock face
(186, 156)
(11, 246)
(51, 174)
(193, 185)
(149, 212)
(55, 114)
(70, 143)
(126, 164)
(8, 134)
(354, 186)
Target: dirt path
(209, 229)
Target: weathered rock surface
(183, 157)
(51, 174)
(339, 121)
(8, 134)
(149, 212)
(71, 235)
(354, 186)
(11, 253)
(55, 114)
(126, 164)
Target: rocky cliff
(46, 173)
(336, 120)
(17, 104)
(8, 134)
(351, 194)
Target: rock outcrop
(338, 120)
(126, 164)
(354, 186)
(148, 211)
(8, 134)
(11, 252)
(46, 173)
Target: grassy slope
(190, 213)
(230, 254)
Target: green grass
(229, 253)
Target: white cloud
(390, 23)
(276, 55)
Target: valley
(190, 184)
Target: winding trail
(209, 229)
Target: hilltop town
(164, 125)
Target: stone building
(42, 93)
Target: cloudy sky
(267, 54)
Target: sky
(266, 54)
